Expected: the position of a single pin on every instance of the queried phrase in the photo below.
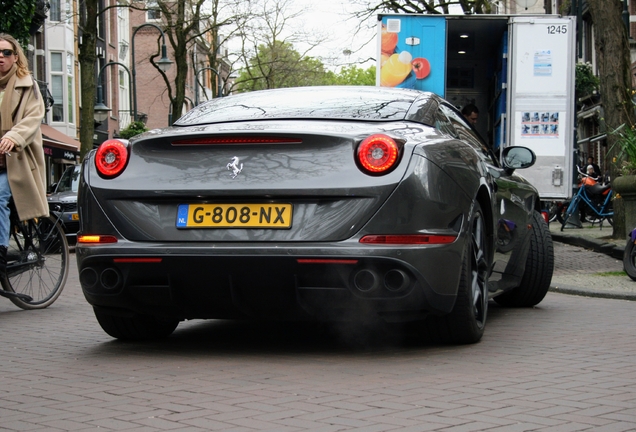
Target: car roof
(320, 102)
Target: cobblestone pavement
(584, 272)
(567, 365)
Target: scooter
(629, 256)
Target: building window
(62, 88)
(57, 87)
(55, 13)
(57, 91)
(153, 13)
(71, 86)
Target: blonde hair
(22, 63)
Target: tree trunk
(88, 60)
(614, 65)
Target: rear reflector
(408, 239)
(237, 140)
(326, 261)
(137, 260)
(96, 239)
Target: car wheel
(538, 272)
(465, 323)
(134, 327)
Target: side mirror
(513, 158)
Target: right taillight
(111, 158)
(378, 153)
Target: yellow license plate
(75, 216)
(234, 216)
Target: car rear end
(277, 219)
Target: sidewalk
(599, 264)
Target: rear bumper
(283, 281)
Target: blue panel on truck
(413, 53)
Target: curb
(572, 290)
(596, 245)
(607, 248)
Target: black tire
(134, 327)
(466, 322)
(629, 259)
(555, 210)
(537, 276)
(37, 262)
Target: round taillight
(378, 153)
(111, 158)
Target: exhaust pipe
(110, 278)
(366, 280)
(396, 280)
(88, 277)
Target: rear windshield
(358, 103)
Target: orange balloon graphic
(389, 41)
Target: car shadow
(229, 337)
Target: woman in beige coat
(22, 169)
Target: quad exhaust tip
(109, 278)
(394, 280)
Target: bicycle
(37, 261)
(600, 209)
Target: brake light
(408, 239)
(138, 260)
(326, 261)
(96, 239)
(237, 140)
(111, 158)
(378, 153)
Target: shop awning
(59, 145)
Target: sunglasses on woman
(7, 52)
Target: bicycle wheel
(37, 262)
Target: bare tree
(369, 7)
(87, 59)
(614, 66)
(270, 30)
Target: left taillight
(111, 158)
(378, 154)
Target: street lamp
(220, 83)
(164, 63)
(101, 110)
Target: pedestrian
(471, 113)
(597, 169)
(22, 169)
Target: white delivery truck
(518, 70)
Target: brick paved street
(567, 365)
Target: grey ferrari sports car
(323, 203)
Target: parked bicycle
(37, 261)
(596, 200)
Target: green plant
(134, 128)
(626, 143)
(585, 82)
